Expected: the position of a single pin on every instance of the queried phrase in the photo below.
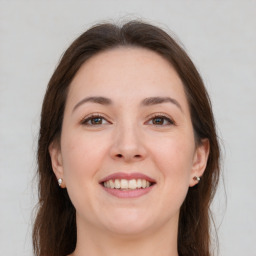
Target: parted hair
(54, 230)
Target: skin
(128, 138)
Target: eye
(94, 120)
(161, 120)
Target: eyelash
(91, 117)
(99, 116)
(164, 117)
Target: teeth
(112, 184)
(124, 184)
(132, 184)
(117, 184)
(107, 184)
(127, 184)
(144, 183)
(139, 183)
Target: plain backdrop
(220, 37)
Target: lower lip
(133, 193)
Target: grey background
(219, 36)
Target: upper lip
(127, 176)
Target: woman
(128, 134)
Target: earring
(196, 178)
(60, 181)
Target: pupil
(96, 120)
(158, 120)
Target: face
(127, 153)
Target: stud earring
(196, 178)
(60, 181)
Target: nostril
(120, 156)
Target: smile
(127, 185)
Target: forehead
(127, 73)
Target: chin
(130, 222)
(129, 229)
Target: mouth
(124, 184)
(127, 185)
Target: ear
(57, 163)
(199, 161)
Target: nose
(128, 144)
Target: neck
(94, 242)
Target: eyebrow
(159, 100)
(96, 99)
(146, 102)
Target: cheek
(174, 158)
(81, 157)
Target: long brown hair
(54, 232)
